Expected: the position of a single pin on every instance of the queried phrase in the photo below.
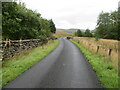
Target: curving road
(65, 67)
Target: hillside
(73, 30)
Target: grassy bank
(106, 73)
(17, 65)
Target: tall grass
(107, 74)
(15, 66)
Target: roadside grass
(106, 73)
(17, 65)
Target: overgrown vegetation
(18, 22)
(106, 73)
(17, 65)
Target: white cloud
(72, 13)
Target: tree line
(18, 22)
(80, 33)
(107, 27)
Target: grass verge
(107, 74)
(15, 66)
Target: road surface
(65, 67)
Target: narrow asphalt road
(65, 67)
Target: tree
(21, 23)
(107, 25)
(52, 26)
(87, 33)
(79, 33)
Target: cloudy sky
(66, 14)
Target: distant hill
(72, 30)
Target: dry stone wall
(11, 48)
